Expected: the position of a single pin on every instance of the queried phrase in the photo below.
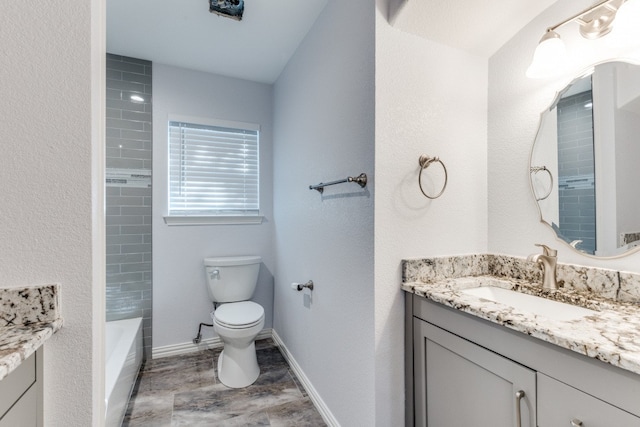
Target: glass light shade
(550, 57)
(626, 25)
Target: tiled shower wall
(128, 191)
(576, 170)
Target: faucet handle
(547, 250)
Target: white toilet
(237, 321)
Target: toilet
(231, 282)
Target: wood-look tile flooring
(184, 391)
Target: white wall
(430, 99)
(324, 130)
(52, 116)
(180, 299)
(515, 103)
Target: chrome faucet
(548, 259)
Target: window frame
(210, 219)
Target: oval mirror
(585, 162)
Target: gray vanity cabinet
(465, 371)
(461, 384)
(21, 394)
(561, 405)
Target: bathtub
(123, 357)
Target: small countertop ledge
(28, 317)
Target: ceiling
(480, 27)
(183, 33)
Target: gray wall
(180, 287)
(324, 130)
(128, 202)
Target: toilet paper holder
(301, 286)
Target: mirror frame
(558, 95)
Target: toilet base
(238, 367)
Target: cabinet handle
(519, 396)
(576, 422)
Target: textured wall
(180, 298)
(128, 202)
(323, 131)
(515, 103)
(430, 99)
(50, 114)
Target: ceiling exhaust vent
(228, 8)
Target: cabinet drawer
(559, 404)
(16, 383)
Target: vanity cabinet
(21, 394)
(461, 384)
(462, 370)
(561, 405)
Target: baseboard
(322, 408)
(189, 347)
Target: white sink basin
(529, 303)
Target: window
(213, 172)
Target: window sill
(213, 220)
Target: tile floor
(184, 391)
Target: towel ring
(424, 163)
(535, 170)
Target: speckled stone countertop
(611, 335)
(28, 317)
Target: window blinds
(212, 170)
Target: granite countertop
(611, 334)
(28, 317)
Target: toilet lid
(239, 314)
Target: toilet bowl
(237, 321)
(238, 324)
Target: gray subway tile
(113, 94)
(135, 286)
(139, 248)
(135, 229)
(136, 78)
(136, 116)
(112, 133)
(135, 134)
(125, 200)
(124, 258)
(135, 210)
(124, 124)
(113, 249)
(124, 278)
(127, 239)
(135, 191)
(112, 230)
(136, 154)
(124, 220)
(125, 66)
(125, 163)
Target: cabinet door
(23, 413)
(458, 383)
(562, 405)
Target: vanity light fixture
(550, 57)
(136, 98)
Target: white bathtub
(123, 357)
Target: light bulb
(626, 25)
(549, 58)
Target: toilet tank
(232, 279)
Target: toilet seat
(239, 315)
